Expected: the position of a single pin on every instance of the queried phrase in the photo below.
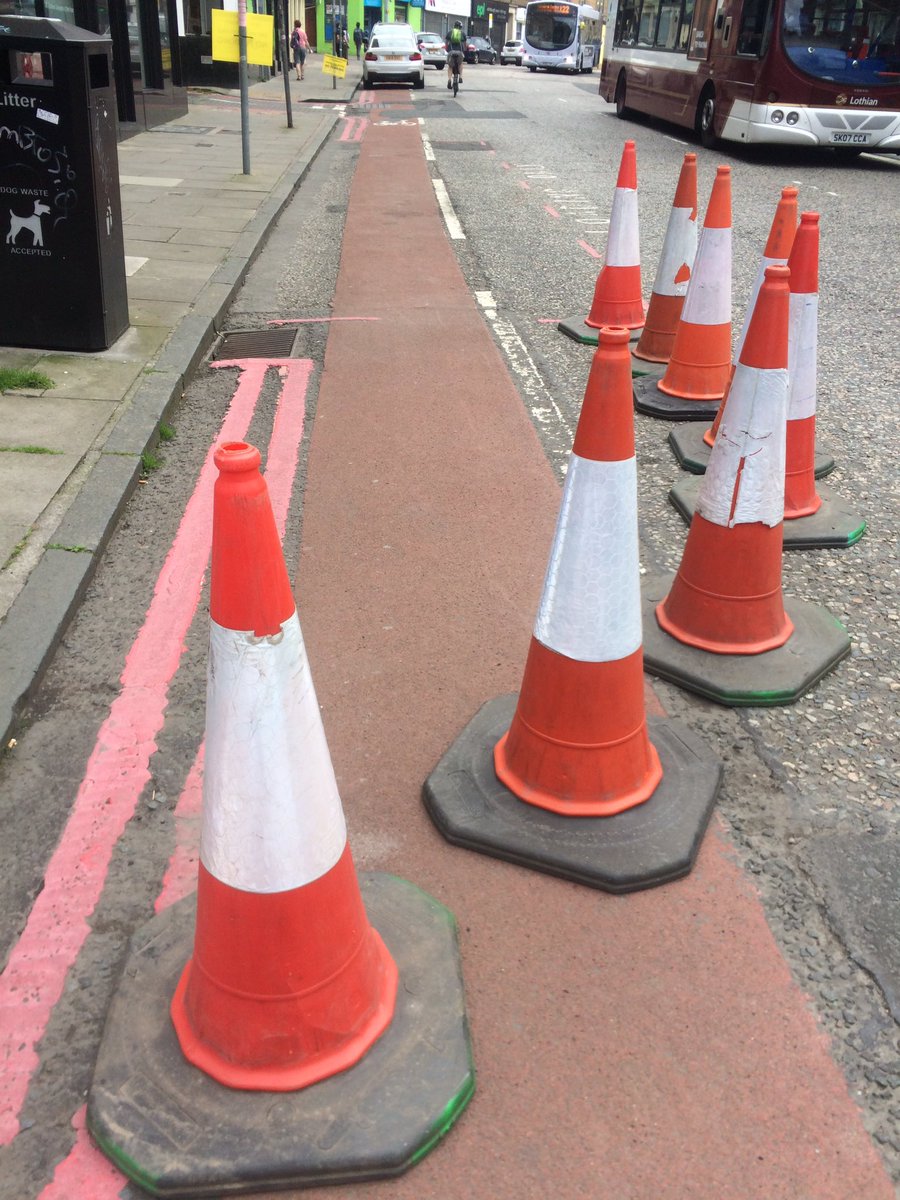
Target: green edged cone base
(834, 526)
(644, 368)
(692, 452)
(176, 1132)
(781, 676)
(648, 845)
(648, 399)
(576, 329)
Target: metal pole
(242, 75)
(281, 20)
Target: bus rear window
(844, 41)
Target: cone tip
(237, 456)
(809, 218)
(777, 274)
(614, 335)
(790, 193)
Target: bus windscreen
(551, 26)
(844, 42)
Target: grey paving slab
(89, 378)
(63, 424)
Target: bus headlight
(777, 116)
(793, 118)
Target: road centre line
(454, 229)
(114, 778)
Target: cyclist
(456, 44)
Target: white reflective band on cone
(803, 326)
(749, 452)
(590, 609)
(679, 250)
(751, 303)
(272, 816)
(708, 299)
(623, 243)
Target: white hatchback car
(393, 56)
(512, 52)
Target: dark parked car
(479, 49)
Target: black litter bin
(63, 256)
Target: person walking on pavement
(345, 43)
(456, 43)
(300, 47)
(357, 38)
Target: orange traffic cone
(674, 271)
(813, 518)
(289, 984)
(697, 373)
(568, 749)
(725, 605)
(690, 445)
(575, 747)
(617, 293)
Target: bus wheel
(706, 116)
(621, 110)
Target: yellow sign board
(332, 64)
(225, 35)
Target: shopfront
(490, 19)
(149, 85)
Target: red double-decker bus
(796, 72)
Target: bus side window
(684, 30)
(752, 27)
(647, 28)
(667, 33)
(626, 23)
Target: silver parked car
(512, 52)
(433, 49)
(393, 56)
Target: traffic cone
(722, 628)
(812, 520)
(289, 984)
(690, 444)
(697, 372)
(618, 297)
(673, 273)
(568, 779)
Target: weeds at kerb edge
(13, 379)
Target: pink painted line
(317, 321)
(349, 124)
(590, 249)
(85, 1171)
(116, 773)
(551, 211)
(523, 183)
(549, 320)
(505, 166)
(361, 129)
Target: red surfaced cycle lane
(646, 1047)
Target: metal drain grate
(258, 343)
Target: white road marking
(426, 142)
(450, 218)
(677, 141)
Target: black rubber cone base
(176, 1132)
(781, 676)
(648, 399)
(643, 367)
(651, 844)
(834, 526)
(692, 452)
(579, 331)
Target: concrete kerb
(40, 613)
